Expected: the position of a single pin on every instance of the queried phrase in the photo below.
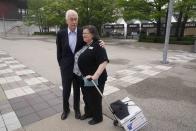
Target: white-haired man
(69, 41)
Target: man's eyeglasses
(85, 33)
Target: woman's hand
(100, 69)
(88, 77)
(94, 77)
(102, 43)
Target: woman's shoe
(93, 122)
(85, 116)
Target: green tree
(150, 10)
(35, 13)
(186, 9)
(55, 12)
(47, 13)
(95, 12)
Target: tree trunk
(159, 23)
(40, 29)
(183, 26)
(178, 26)
(184, 22)
(159, 27)
(38, 20)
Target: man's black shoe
(85, 116)
(64, 115)
(77, 114)
(93, 122)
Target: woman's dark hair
(93, 30)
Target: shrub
(187, 40)
(44, 33)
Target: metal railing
(8, 24)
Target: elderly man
(68, 42)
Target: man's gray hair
(70, 12)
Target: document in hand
(88, 83)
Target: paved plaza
(31, 91)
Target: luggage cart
(134, 121)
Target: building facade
(13, 9)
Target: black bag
(120, 109)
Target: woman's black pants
(93, 101)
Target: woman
(90, 62)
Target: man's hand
(102, 43)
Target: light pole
(4, 28)
(167, 35)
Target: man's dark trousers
(66, 82)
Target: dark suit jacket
(65, 56)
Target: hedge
(188, 40)
(44, 33)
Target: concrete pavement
(166, 93)
(71, 124)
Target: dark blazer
(65, 56)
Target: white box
(135, 120)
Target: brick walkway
(30, 97)
(27, 97)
